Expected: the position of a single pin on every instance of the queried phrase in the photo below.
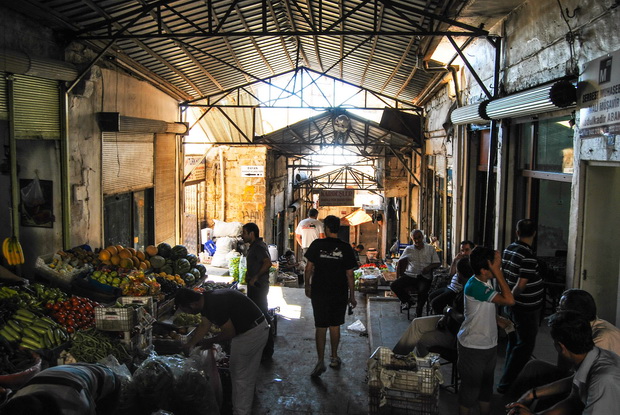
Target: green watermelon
(202, 269)
(157, 261)
(193, 259)
(189, 278)
(165, 250)
(167, 269)
(196, 273)
(181, 266)
(178, 251)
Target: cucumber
(23, 319)
(52, 339)
(7, 335)
(32, 342)
(49, 321)
(27, 346)
(15, 325)
(28, 332)
(25, 313)
(14, 333)
(38, 329)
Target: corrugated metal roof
(201, 47)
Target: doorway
(600, 252)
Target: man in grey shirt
(595, 387)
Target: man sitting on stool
(415, 269)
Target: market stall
(114, 306)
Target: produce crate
(171, 346)
(115, 319)
(146, 302)
(53, 276)
(141, 341)
(164, 308)
(406, 402)
(368, 285)
(420, 375)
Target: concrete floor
(285, 386)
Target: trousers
(421, 334)
(401, 289)
(245, 354)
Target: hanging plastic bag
(32, 194)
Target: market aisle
(284, 385)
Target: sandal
(335, 363)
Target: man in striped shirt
(521, 270)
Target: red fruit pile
(74, 314)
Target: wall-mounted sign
(252, 171)
(599, 97)
(194, 168)
(344, 197)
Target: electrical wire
(570, 37)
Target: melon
(181, 266)
(193, 259)
(157, 261)
(164, 250)
(179, 251)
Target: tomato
(70, 329)
(56, 307)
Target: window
(543, 184)
(128, 219)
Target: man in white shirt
(415, 269)
(308, 230)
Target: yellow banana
(5, 249)
(9, 252)
(19, 252)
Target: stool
(413, 299)
(450, 355)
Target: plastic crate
(138, 342)
(115, 319)
(420, 375)
(64, 279)
(406, 402)
(146, 302)
(164, 308)
(368, 285)
(171, 346)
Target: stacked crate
(133, 323)
(408, 383)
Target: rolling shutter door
(36, 103)
(165, 188)
(127, 162)
(4, 107)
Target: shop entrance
(600, 250)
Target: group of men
(245, 321)
(513, 303)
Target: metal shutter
(36, 104)
(127, 162)
(165, 188)
(4, 106)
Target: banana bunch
(12, 251)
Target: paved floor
(285, 385)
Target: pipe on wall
(222, 185)
(16, 62)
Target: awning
(358, 217)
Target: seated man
(604, 334)
(415, 270)
(595, 386)
(429, 331)
(441, 297)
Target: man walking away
(308, 230)
(257, 277)
(329, 283)
(521, 269)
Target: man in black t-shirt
(242, 322)
(329, 284)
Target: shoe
(318, 370)
(405, 306)
(335, 363)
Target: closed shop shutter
(165, 188)
(36, 103)
(127, 162)
(4, 107)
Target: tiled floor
(285, 385)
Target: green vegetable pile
(92, 345)
(185, 319)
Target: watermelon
(196, 273)
(193, 259)
(178, 251)
(167, 269)
(202, 269)
(189, 278)
(157, 261)
(181, 266)
(165, 250)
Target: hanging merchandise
(12, 251)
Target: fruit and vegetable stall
(112, 305)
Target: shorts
(328, 312)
